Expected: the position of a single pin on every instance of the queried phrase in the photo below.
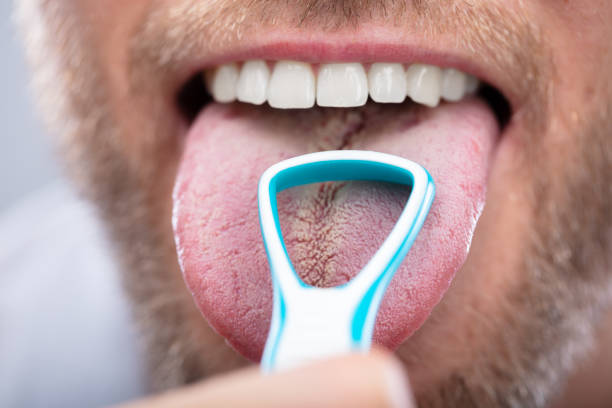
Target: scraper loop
(309, 322)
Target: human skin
(370, 380)
(531, 296)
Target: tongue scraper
(310, 323)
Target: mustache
(335, 14)
(170, 33)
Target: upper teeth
(292, 84)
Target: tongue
(331, 230)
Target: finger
(373, 380)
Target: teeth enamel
(253, 82)
(292, 85)
(342, 85)
(471, 85)
(424, 83)
(453, 85)
(223, 83)
(387, 83)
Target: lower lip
(330, 235)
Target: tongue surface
(331, 230)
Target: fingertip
(399, 389)
(375, 379)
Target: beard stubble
(547, 321)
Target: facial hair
(545, 324)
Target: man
(495, 313)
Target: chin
(499, 294)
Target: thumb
(359, 380)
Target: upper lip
(317, 49)
(491, 41)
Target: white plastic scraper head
(308, 322)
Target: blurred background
(66, 336)
(25, 156)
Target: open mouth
(248, 114)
